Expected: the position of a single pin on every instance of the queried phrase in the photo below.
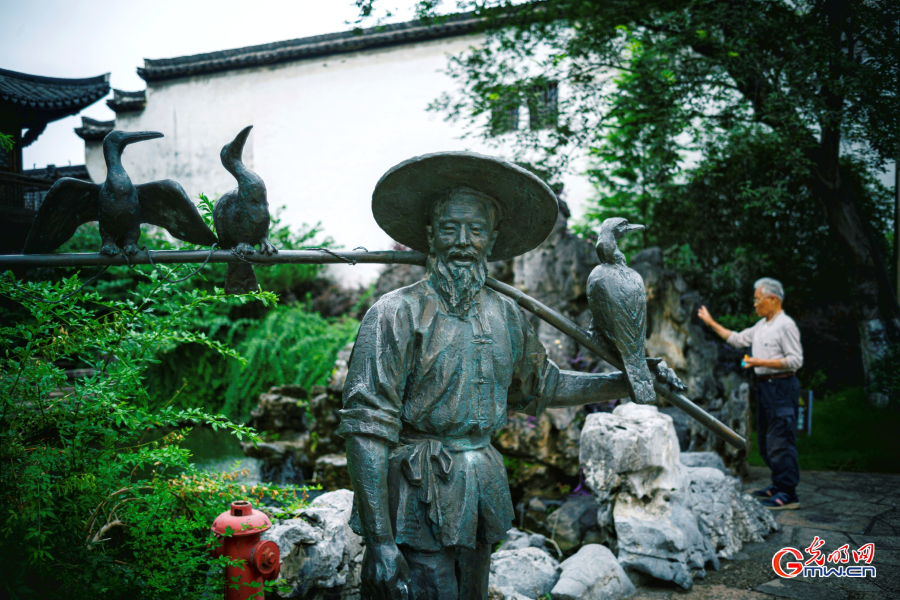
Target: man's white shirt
(776, 338)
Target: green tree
(654, 89)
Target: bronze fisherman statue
(435, 368)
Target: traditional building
(27, 104)
(331, 114)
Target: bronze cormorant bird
(618, 303)
(242, 217)
(119, 206)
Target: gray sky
(83, 38)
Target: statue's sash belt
(427, 461)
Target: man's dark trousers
(777, 430)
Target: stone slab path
(840, 508)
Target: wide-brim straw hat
(402, 200)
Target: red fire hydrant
(261, 557)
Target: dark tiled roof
(51, 93)
(310, 47)
(127, 101)
(93, 130)
(52, 172)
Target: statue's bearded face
(461, 236)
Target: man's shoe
(781, 501)
(765, 492)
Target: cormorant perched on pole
(119, 206)
(618, 304)
(242, 217)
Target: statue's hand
(385, 574)
(665, 375)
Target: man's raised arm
(722, 332)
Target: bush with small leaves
(96, 503)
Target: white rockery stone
(671, 521)
(516, 540)
(704, 459)
(592, 573)
(318, 549)
(661, 537)
(726, 515)
(634, 449)
(531, 572)
(495, 593)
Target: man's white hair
(770, 286)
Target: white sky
(83, 38)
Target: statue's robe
(434, 387)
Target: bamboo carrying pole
(21, 261)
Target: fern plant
(291, 345)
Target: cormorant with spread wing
(242, 217)
(119, 206)
(618, 303)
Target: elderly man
(435, 368)
(777, 355)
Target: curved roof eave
(309, 47)
(52, 95)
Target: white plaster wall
(324, 133)
(94, 160)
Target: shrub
(91, 508)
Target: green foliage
(92, 507)
(737, 322)
(290, 346)
(198, 376)
(637, 157)
(745, 213)
(275, 356)
(515, 467)
(848, 434)
(886, 375)
(654, 94)
(6, 142)
(747, 137)
(652, 71)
